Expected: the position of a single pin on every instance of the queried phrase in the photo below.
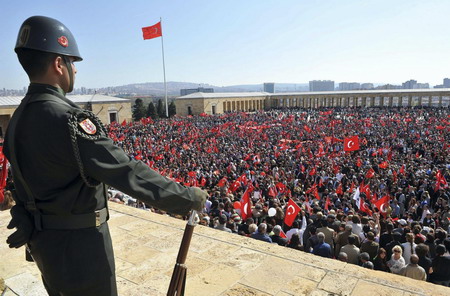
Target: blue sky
(243, 42)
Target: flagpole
(164, 71)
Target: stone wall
(218, 263)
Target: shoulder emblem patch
(88, 127)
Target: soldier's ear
(58, 65)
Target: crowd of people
(383, 205)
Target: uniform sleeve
(107, 163)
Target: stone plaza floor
(219, 263)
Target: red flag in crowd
(365, 208)
(440, 180)
(402, 170)
(370, 173)
(382, 204)
(394, 175)
(124, 123)
(292, 211)
(364, 188)
(307, 128)
(383, 165)
(339, 189)
(222, 182)
(273, 191)
(235, 186)
(4, 174)
(282, 234)
(313, 171)
(327, 203)
(246, 205)
(351, 144)
(280, 187)
(203, 182)
(358, 162)
(152, 31)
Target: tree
(138, 110)
(151, 111)
(161, 109)
(172, 109)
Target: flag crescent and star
(288, 212)
(152, 31)
(351, 144)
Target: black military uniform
(65, 158)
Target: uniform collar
(37, 88)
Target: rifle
(178, 281)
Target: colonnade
(305, 101)
(243, 105)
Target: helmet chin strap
(69, 68)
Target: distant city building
(409, 84)
(269, 87)
(321, 85)
(439, 86)
(349, 86)
(446, 83)
(421, 85)
(367, 86)
(188, 91)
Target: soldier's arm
(107, 163)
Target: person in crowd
(322, 248)
(396, 241)
(261, 233)
(276, 238)
(343, 257)
(397, 262)
(294, 242)
(351, 250)
(380, 261)
(409, 247)
(425, 262)
(440, 267)
(413, 269)
(370, 245)
(8, 201)
(221, 223)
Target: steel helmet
(48, 35)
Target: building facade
(219, 103)
(321, 85)
(269, 87)
(108, 109)
(349, 86)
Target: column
(355, 101)
(400, 101)
(440, 101)
(419, 103)
(409, 101)
(363, 101)
(372, 102)
(430, 100)
(381, 101)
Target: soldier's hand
(200, 199)
(24, 224)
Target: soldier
(62, 161)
